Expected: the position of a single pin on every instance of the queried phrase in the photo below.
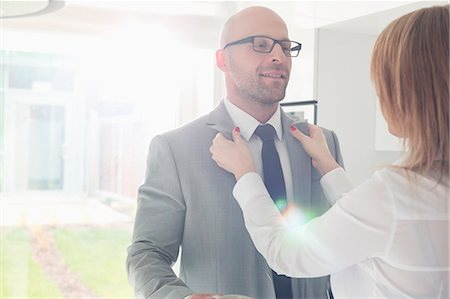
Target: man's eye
(261, 45)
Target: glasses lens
(262, 44)
(265, 45)
(287, 46)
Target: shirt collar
(248, 124)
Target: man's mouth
(275, 75)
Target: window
(76, 126)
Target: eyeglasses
(265, 44)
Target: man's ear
(220, 60)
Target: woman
(387, 238)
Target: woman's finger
(220, 140)
(298, 134)
(218, 137)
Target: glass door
(45, 149)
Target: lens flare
(296, 216)
(281, 204)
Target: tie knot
(265, 132)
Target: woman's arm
(357, 227)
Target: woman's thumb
(236, 134)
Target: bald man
(186, 200)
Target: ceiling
(374, 23)
(97, 16)
(196, 22)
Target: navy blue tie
(274, 181)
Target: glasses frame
(250, 39)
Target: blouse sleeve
(359, 226)
(335, 183)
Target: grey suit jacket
(186, 200)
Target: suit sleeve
(337, 150)
(158, 229)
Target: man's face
(260, 77)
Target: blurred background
(84, 87)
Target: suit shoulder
(327, 131)
(193, 126)
(330, 135)
(333, 145)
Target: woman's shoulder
(398, 177)
(415, 195)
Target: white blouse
(387, 238)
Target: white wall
(347, 101)
(301, 82)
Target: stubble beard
(254, 89)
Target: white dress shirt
(248, 124)
(387, 238)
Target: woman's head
(410, 70)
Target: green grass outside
(21, 277)
(97, 256)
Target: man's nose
(277, 54)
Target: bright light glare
(295, 217)
(139, 65)
(127, 83)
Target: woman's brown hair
(410, 71)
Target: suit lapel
(220, 120)
(300, 163)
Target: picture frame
(302, 110)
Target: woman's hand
(233, 156)
(316, 146)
